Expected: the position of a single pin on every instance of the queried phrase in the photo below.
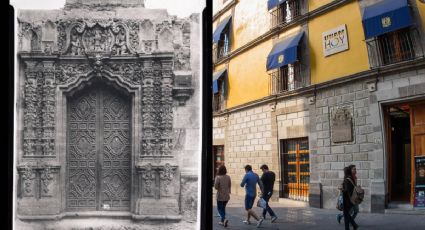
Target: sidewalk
(291, 215)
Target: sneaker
(226, 222)
(220, 223)
(246, 222)
(338, 218)
(260, 222)
(274, 219)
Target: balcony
(287, 78)
(285, 13)
(220, 50)
(394, 47)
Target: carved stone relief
(37, 181)
(166, 174)
(27, 182)
(342, 124)
(39, 110)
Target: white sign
(335, 40)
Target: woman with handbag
(347, 191)
(355, 209)
(222, 183)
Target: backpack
(357, 195)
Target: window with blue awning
(284, 52)
(386, 16)
(273, 3)
(216, 77)
(220, 28)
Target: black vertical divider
(206, 191)
(10, 117)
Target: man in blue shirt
(249, 181)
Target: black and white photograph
(107, 117)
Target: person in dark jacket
(268, 179)
(347, 190)
(355, 210)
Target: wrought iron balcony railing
(288, 78)
(285, 13)
(394, 47)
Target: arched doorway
(98, 149)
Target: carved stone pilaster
(148, 176)
(46, 177)
(163, 200)
(166, 175)
(27, 182)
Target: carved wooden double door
(98, 150)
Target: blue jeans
(221, 207)
(266, 197)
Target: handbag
(339, 203)
(262, 203)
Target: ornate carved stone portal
(96, 117)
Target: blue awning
(220, 28)
(273, 3)
(217, 76)
(386, 16)
(284, 52)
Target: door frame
(63, 91)
(387, 145)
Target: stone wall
(366, 150)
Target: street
(291, 215)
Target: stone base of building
(153, 208)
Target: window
(393, 47)
(218, 153)
(218, 97)
(287, 78)
(222, 47)
(396, 46)
(285, 12)
(295, 169)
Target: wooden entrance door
(98, 150)
(296, 169)
(417, 127)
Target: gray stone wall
(248, 139)
(366, 150)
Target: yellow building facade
(311, 86)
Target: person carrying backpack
(355, 210)
(348, 187)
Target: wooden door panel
(99, 150)
(417, 126)
(116, 151)
(81, 157)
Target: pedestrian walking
(222, 183)
(268, 179)
(347, 191)
(355, 210)
(249, 181)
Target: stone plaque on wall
(342, 124)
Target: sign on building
(335, 40)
